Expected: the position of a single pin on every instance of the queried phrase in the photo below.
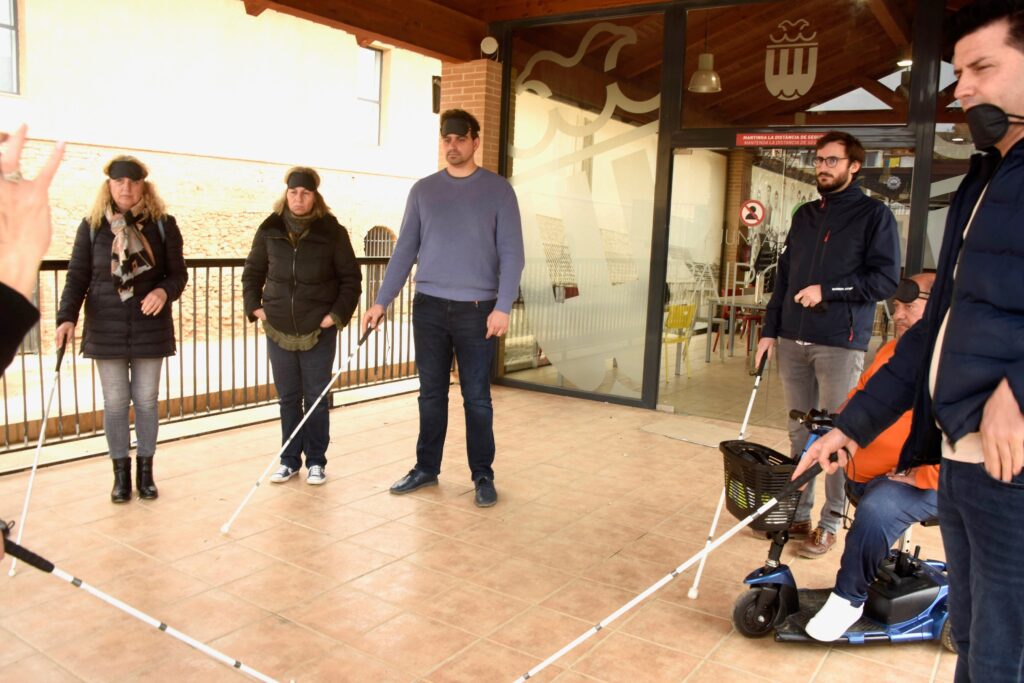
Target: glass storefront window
(585, 107)
(820, 63)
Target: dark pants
(442, 328)
(300, 376)
(886, 509)
(982, 522)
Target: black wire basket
(754, 474)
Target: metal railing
(221, 363)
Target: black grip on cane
(365, 336)
(762, 364)
(60, 354)
(811, 472)
(27, 556)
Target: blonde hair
(320, 208)
(153, 206)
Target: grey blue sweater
(467, 235)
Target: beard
(834, 182)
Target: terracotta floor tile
(588, 600)
(843, 667)
(193, 667)
(28, 587)
(780, 661)
(403, 583)
(624, 658)
(461, 560)
(523, 580)
(211, 614)
(540, 632)
(127, 524)
(600, 533)
(344, 613)
(348, 665)
(541, 517)
(151, 590)
(916, 658)
(630, 574)
(279, 586)
(712, 672)
(396, 538)
(287, 541)
(390, 506)
(505, 537)
(487, 661)
(274, 646)
(413, 643)
(38, 669)
(72, 615)
(181, 540)
(677, 627)
(343, 561)
(442, 519)
(13, 649)
(58, 546)
(630, 514)
(108, 563)
(563, 553)
(471, 608)
(342, 522)
(224, 564)
(90, 657)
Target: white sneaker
(316, 475)
(833, 619)
(283, 474)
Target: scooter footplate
(812, 600)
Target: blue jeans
(887, 508)
(300, 376)
(817, 376)
(982, 522)
(441, 329)
(130, 381)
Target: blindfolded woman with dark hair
(127, 266)
(302, 280)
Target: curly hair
(153, 206)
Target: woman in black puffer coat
(302, 280)
(127, 266)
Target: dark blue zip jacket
(848, 243)
(984, 340)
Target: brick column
(737, 190)
(476, 87)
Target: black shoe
(412, 481)
(486, 495)
(122, 491)
(144, 478)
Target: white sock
(833, 619)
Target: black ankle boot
(144, 478)
(122, 491)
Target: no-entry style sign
(751, 213)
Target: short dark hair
(854, 150)
(474, 125)
(980, 14)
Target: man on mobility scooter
(889, 503)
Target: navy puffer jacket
(115, 328)
(984, 339)
(849, 244)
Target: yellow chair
(679, 326)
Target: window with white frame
(371, 63)
(8, 46)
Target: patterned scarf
(130, 254)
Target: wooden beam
(422, 26)
(892, 21)
(880, 91)
(254, 8)
(503, 10)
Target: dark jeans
(442, 328)
(886, 509)
(300, 376)
(982, 522)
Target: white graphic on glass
(791, 60)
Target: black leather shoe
(412, 481)
(122, 491)
(144, 478)
(486, 495)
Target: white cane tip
(692, 594)
(226, 528)
(11, 572)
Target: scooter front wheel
(753, 620)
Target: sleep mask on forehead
(456, 125)
(300, 179)
(908, 292)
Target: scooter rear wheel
(751, 620)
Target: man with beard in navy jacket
(961, 367)
(841, 256)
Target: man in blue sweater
(462, 228)
(841, 256)
(961, 367)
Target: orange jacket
(881, 455)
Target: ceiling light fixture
(705, 79)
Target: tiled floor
(347, 583)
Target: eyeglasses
(827, 161)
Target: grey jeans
(817, 376)
(135, 381)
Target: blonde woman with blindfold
(127, 267)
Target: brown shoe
(817, 544)
(800, 528)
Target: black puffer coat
(297, 286)
(116, 329)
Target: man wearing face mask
(962, 367)
(841, 256)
